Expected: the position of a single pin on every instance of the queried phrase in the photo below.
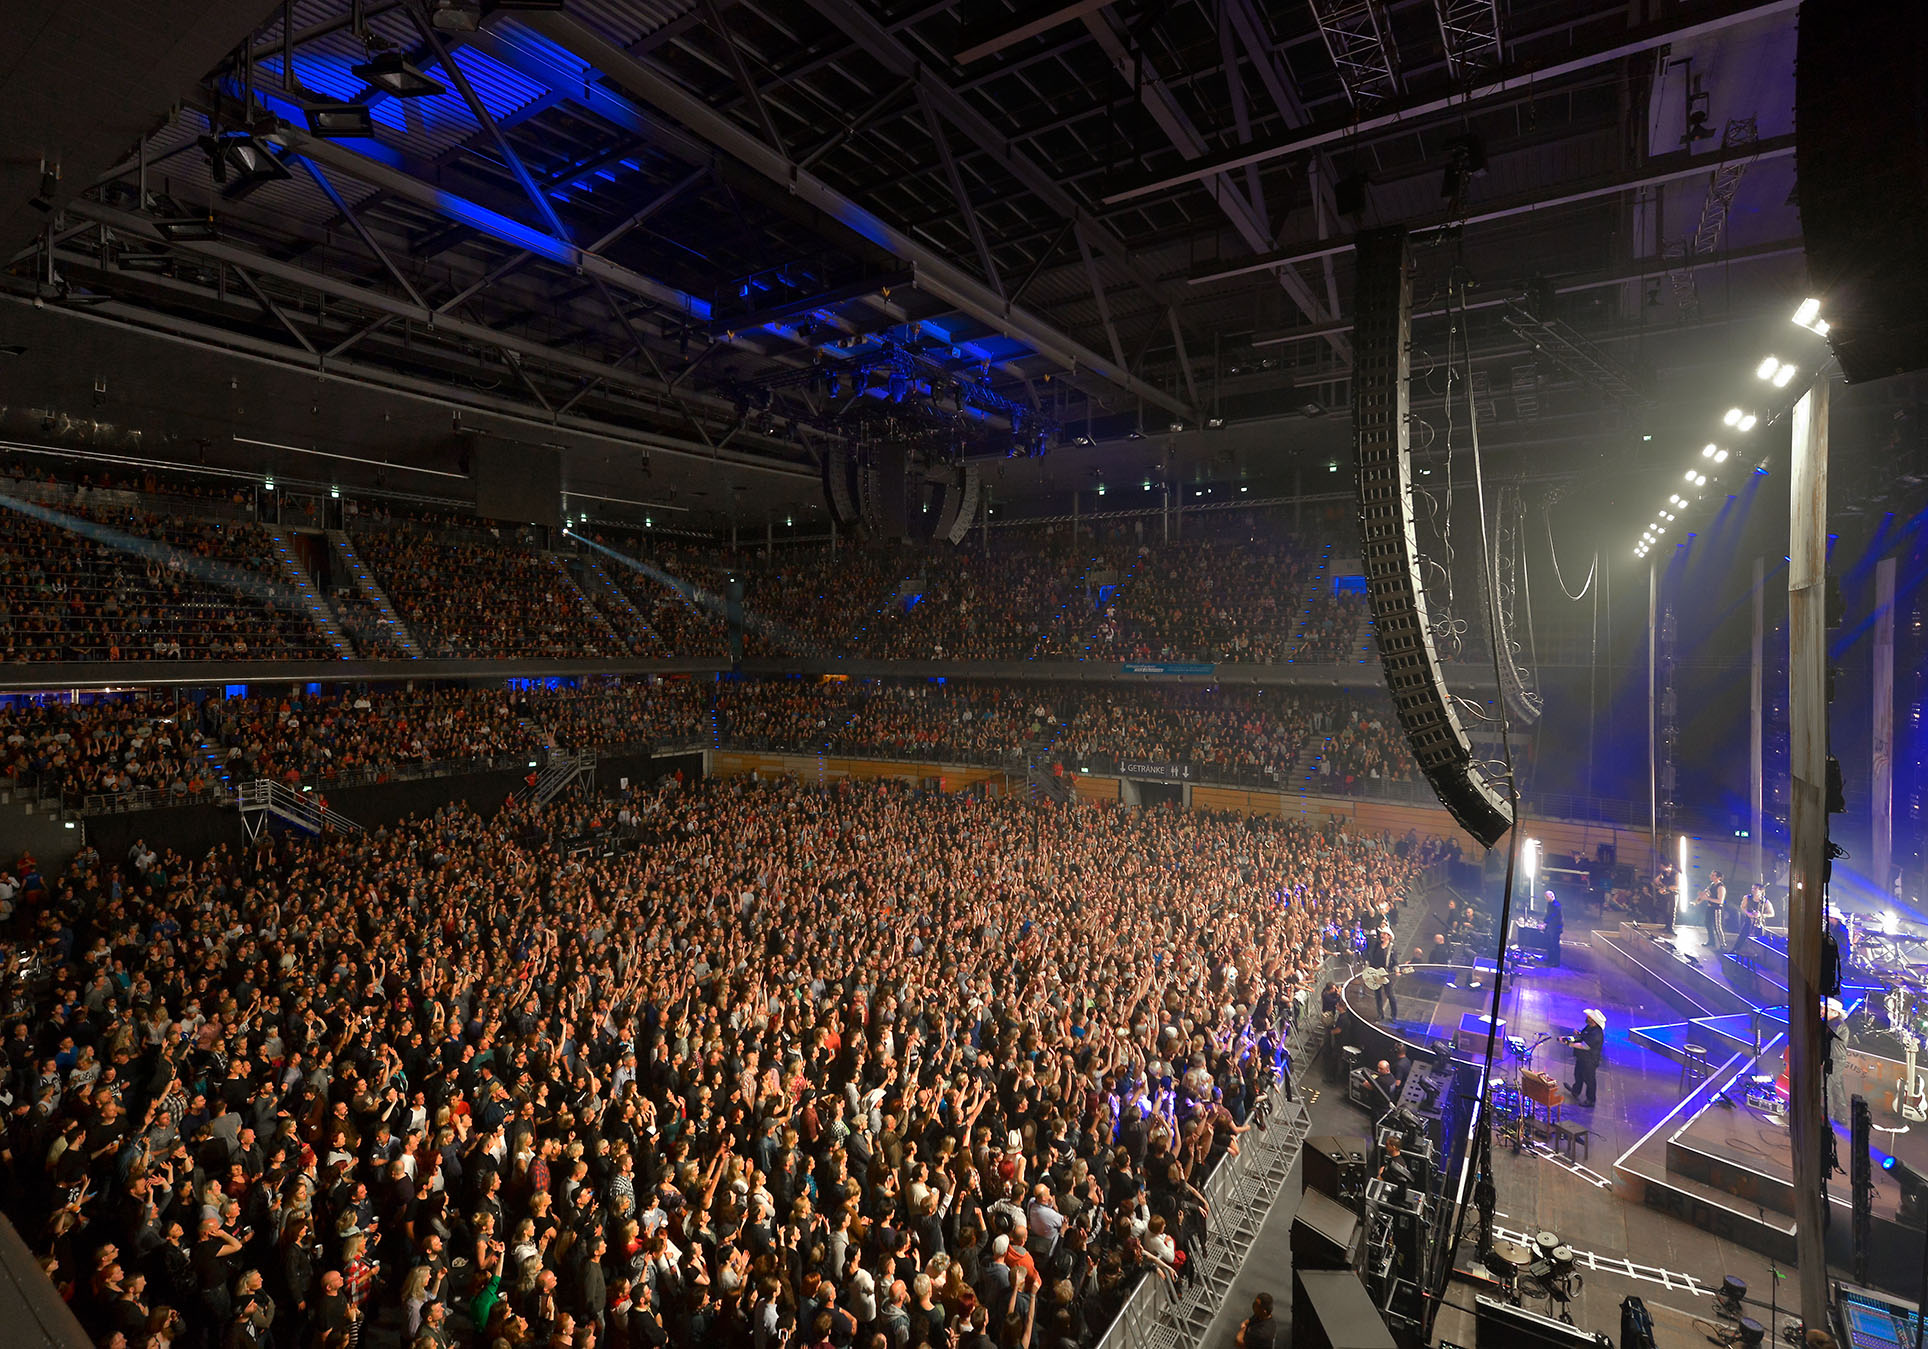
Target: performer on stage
(1379, 971)
(1836, 1061)
(1715, 898)
(1555, 925)
(1666, 886)
(1589, 1042)
(1753, 910)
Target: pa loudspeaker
(837, 494)
(958, 511)
(882, 491)
(1389, 547)
(1861, 159)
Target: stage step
(1687, 981)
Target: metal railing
(263, 797)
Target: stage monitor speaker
(1325, 1234)
(1389, 545)
(1861, 159)
(1328, 1160)
(1331, 1309)
(837, 491)
(958, 511)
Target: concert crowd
(700, 1065)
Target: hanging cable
(1554, 553)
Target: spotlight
(1707, 451)
(241, 163)
(1660, 529)
(1767, 368)
(1690, 475)
(1700, 480)
(188, 229)
(1720, 456)
(390, 71)
(340, 121)
(1809, 316)
(1733, 417)
(456, 16)
(1783, 377)
(1747, 422)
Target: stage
(1675, 1181)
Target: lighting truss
(1359, 41)
(1470, 31)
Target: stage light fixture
(1707, 451)
(240, 162)
(1733, 417)
(1700, 480)
(1783, 377)
(1720, 456)
(188, 229)
(1809, 316)
(456, 16)
(1690, 475)
(390, 71)
(1767, 368)
(1746, 422)
(340, 121)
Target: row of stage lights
(1772, 371)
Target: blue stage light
(1887, 1163)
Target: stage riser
(1747, 1185)
(1739, 1228)
(1686, 988)
(1754, 983)
(1772, 963)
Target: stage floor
(1664, 1258)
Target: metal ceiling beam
(1505, 294)
(935, 273)
(884, 47)
(1172, 118)
(1679, 166)
(959, 195)
(1729, 15)
(207, 336)
(983, 43)
(140, 227)
(496, 225)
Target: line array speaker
(959, 509)
(837, 495)
(882, 500)
(1389, 547)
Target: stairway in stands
(1040, 778)
(295, 570)
(594, 582)
(373, 593)
(612, 641)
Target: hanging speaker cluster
(1389, 547)
(957, 493)
(882, 489)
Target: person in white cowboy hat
(1836, 1047)
(1588, 1043)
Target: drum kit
(1547, 1268)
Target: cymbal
(1506, 1257)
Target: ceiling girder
(1704, 23)
(936, 274)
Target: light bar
(1767, 368)
(1746, 422)
(1707, 451)
(1720, 456)
(1733, 417)
(1783, 377)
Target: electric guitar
(1911, 1093)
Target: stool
(1693, 1068)
(1574, 1138)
